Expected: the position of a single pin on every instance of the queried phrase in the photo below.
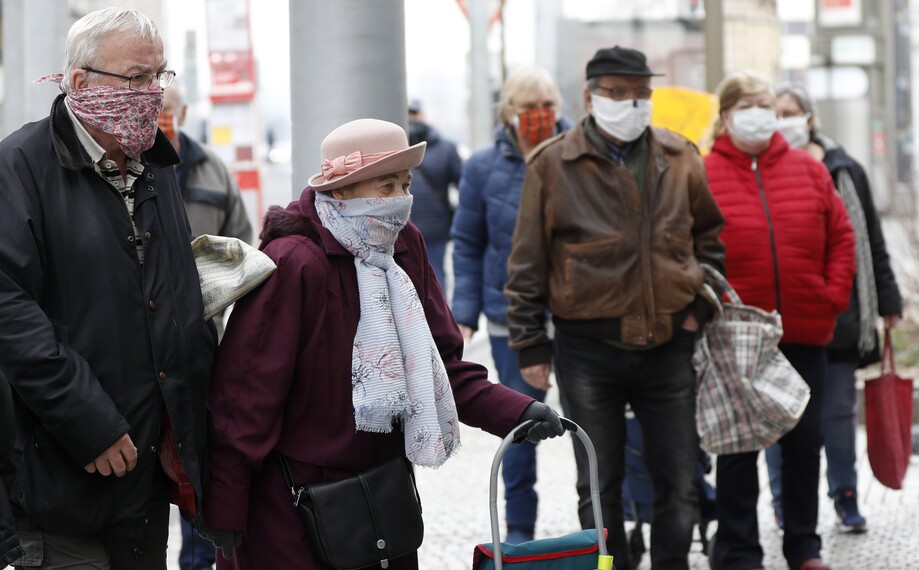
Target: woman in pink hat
(345, 358)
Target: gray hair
(84, 40)
(531, 79)
(799, 93)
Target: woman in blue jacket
(483, 228)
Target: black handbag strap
(289, 479)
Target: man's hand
(120, 458)
(537, 375)
(691, 324)
(467, 332)
(891, 321)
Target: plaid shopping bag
(748, 394)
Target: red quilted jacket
(789, 242)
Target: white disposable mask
(795, 130)
(624, 120)
(753, 126)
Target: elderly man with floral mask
(789, 249)
(103, 339)
(615, 221)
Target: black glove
(225, 540)
(547, 422)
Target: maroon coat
(282, 382)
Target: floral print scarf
(396, 370)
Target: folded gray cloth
(228, 268)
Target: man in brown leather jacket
(615, 218)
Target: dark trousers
(596, 380)
(737, 545)
(137, 546)
(518, 469)
(197, 553)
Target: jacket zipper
(775, 257)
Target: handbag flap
(364, 519)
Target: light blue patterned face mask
(374, 223)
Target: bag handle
(888, 362)
(718, 278)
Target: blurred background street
(267, 79)
(455, 502)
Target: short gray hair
(799, 93)
(84, 40)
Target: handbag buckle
(297, 493)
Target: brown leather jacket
(600, 253)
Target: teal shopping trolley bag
(583, 550)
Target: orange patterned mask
(536, 125)
(167, 124)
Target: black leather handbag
(363, 521)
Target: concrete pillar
(714, 44)
(549, 14)
(347, 61)
(480, 101)
(33, 45)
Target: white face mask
(795, 130)
(624, 120)
(753, 126)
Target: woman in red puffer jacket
(790, 248)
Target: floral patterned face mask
(129, 115)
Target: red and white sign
(230, 51)
(839, 13)
(235, 130)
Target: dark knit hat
(619, 61)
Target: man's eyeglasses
(623, 93)
(141, 81)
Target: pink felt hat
(364, 149)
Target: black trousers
(737, 545)
(138, 545)
(596, 380)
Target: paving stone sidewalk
(455, 502)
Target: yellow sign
(685, 111)
(221, 135)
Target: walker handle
(517, 435)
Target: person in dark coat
(432, 211)
(855, 339)
(346, 357)
(9, 543)
(215, 207)
(103, 339)
(482, 234)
